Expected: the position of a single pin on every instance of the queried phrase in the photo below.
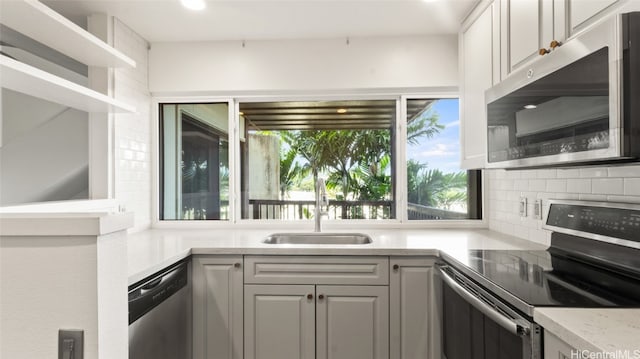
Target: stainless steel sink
(318, 238)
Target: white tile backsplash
(613, 184)
(607, 186)
(133, 131)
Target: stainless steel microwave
(579, 104)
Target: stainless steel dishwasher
(160, 315)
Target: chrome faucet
(322, 200)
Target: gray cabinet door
(352, 322)
(413, 323)
(217, 307)
(279, 322)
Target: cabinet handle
(321, 297)
(543, 51)
(396, 267)
(309, 296)
(237, 265)
(554, 44)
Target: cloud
(441, 150)
(452, 124)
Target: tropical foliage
(357, 164)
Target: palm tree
(291, 172)
(433, 188)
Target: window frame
(236, 221)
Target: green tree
(433, 188)
(291, 172)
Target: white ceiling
(167, 20)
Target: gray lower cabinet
(308, 307)
(299, 307)
(324, 321)
(556, 348)
(217, 307)
(414, 323)
(280, 321)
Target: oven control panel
(622, 223)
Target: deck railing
(417, 212)
(291, 210)
(288, 210)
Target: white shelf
(36, 20)
(20, 77)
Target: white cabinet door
(526, 27)
(217, 307)
(413, 323)
(279, 322)
(479, 58)
(581, 12)
(352, 322)
(555, 348)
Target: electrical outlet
(70, 344)
(537, 209)
(523, 207)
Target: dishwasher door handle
(159, 283)
(505, 322)
(151, 293)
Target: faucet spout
(322, 200)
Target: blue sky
(443, 150)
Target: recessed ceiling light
(530, 107)
(194, 4)
(342, 110)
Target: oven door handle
(484, 308)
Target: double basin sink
(318, 238)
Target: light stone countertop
(595, 331)
(155, 249)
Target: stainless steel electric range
(489, 296)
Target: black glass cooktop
(543, 278)
(593, 261)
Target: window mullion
(401, 159)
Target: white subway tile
(611, 186)
(593, 172)
(521, 185)
(593, 197)
(579, 185)
(632, 186)
(556, 185)
(624, 171)
(536, 185)
(547, 173)
(569, 173)
(624, 199)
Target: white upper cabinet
(479, 70)
(527, 26)
(581, 13)
(531, 28)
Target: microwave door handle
(483, 307)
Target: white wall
(43, 156)
(133, 131)
(301, 65)
(63, 282)
(606, 183)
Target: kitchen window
(282, 147)
(437, 188)
(289, 145)
(194, 161)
